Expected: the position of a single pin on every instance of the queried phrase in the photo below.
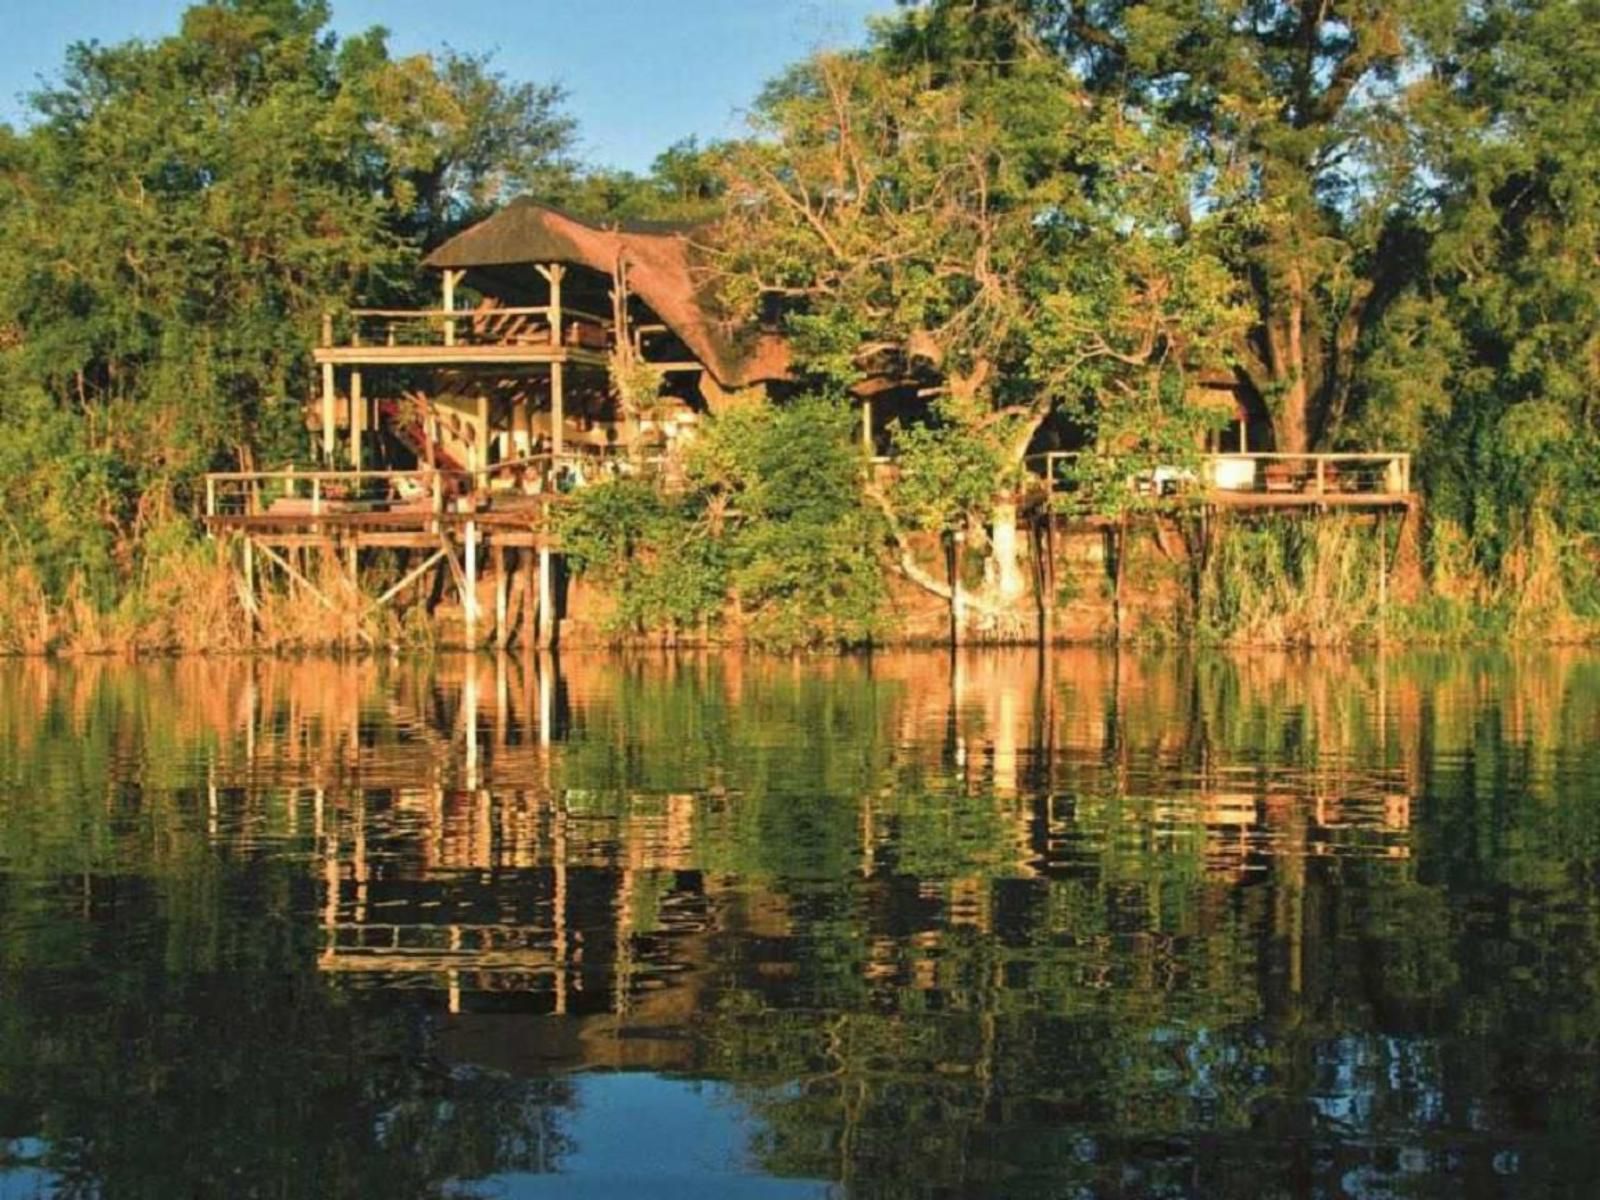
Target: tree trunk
(1287, 367)
(1008, 568)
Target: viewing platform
(1373, 481)
(443, 337)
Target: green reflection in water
(1006, 924)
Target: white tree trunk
(1007, 553)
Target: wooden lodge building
(451, 433)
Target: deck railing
(294, 491)
(1348, 475)
(533, 326)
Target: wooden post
(252, 605)
(1322, 481)
(316, 496)
(558, 413)
(469, 599)
(500, 596)
(547, 604)
(211, 496)
(327, 414)
(357, 419)
(449, 306)
(866, 428)
(554, 273)
(530, 599)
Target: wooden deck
(1290, 482)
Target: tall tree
(992, 230)
(1308, 103)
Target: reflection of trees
(1221, 927)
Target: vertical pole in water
(530, 600)
(501, 635)
(469, 599)
(252, 607)
(1383, 575)
(547, 593)
(469, 716)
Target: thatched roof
(660, 260)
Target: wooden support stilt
(547, 598)
(252, 604)
(469, 584)
(530, 599)
(501, 594)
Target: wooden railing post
(1322, 480)
(449, 306)
(211, 496)
(316, 495)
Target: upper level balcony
(487, 334)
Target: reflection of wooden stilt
(1383, 574)
(469, 717)
(547, 696)
(558, 848)
(453, 976)
(469, 587)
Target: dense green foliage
(1038, 224)
(771, 511)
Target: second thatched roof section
(661, 271)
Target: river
(1079, 924)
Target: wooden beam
(409, 578)
(288, 568)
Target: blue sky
(641, 73)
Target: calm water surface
(1077, 925)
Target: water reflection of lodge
(483, 832)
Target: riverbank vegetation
(1377, 225)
